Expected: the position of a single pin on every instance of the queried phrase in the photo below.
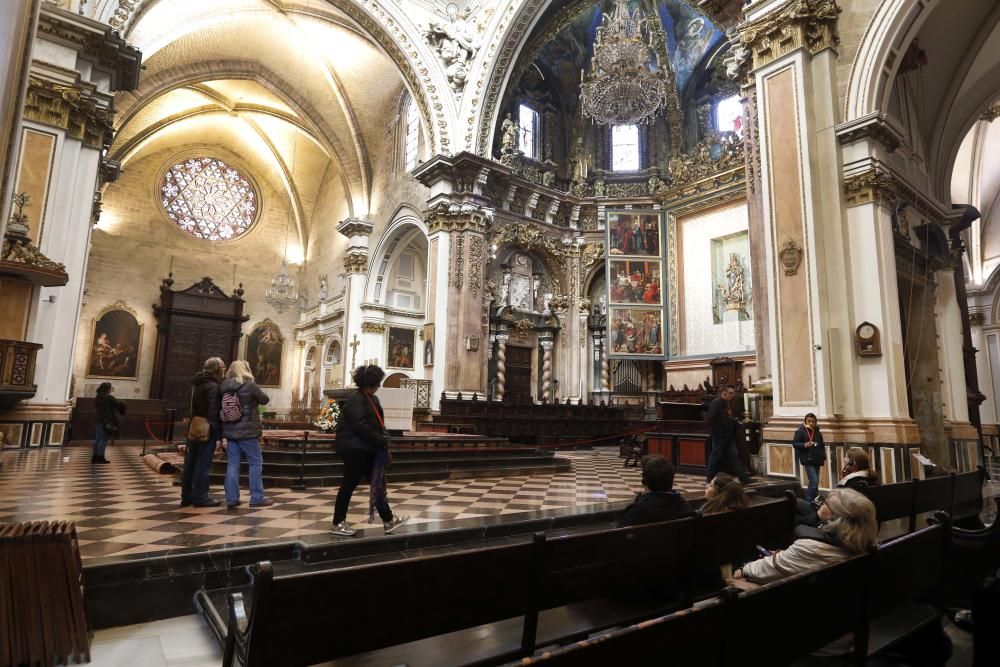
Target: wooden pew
(562, 587)
(868, 591)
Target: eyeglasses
(851, 462)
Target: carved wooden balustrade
(17, 370)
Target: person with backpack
(110, 411)
(363, 443)
(241, 427)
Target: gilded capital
(450, 216)
(356, 262)
(73, 108)
(809, 24)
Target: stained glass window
(209, 199)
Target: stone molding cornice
(388, 310)
(451, 215)
(880, 185)
(797, 24)
(352, 227)
(873, 127)
(75, 107)
(96, 43)
(992, 113)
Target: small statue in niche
(505, 289)
(599, 188)
(548, 178)
(324, 289)
(508, 141)
(734, 293)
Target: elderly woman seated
(847, 528)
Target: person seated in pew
(723, 494)
(848, 528)
(660, 502)
(857, 474)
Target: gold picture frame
(115, 344)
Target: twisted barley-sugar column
(501, 367)
(605, 371)
(547, 371)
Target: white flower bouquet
(328, 416)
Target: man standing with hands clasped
(722, 423)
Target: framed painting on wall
(636, 281)
(264, 347)
(636, 332)
(400, 344)
(634, 233)
(428, 335)
(115, 345)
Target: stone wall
(134, 247)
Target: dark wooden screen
(192, 325)
(518, 386)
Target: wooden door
(518, 389)
(192, 325)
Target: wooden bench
(876, 596)
(515, 596)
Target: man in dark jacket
(722, 423)
(661, 502)
(205, 398)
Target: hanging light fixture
(620, 88)
(282, 294)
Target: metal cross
(354, 351)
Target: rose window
(209, 199)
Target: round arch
(405, 227)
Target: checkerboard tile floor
(126, 509)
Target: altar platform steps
(322, 468)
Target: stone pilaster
(358, 233)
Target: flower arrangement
(326, 421)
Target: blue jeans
(724, 456)
(197, 467)
(250, 449)
(812, 473)
(100, 441)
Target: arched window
(333, 354)
(729, 115)
(412, 139)
(527, 139)
(625, 148)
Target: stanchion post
(168, 430)
(300, 483)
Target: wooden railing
(17, 370)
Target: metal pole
(300, 484)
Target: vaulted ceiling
(295, 88)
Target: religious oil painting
(636, 331)
(115, 344)
(633, 234)
(400, 346)
(428, 335)
(264, 346)
(636, 281)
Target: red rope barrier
(146, 423)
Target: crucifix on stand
(354, 351)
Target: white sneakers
(396, 522)
(343, 529)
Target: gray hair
(213, 364)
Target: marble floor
(126, 510)
(184, 641)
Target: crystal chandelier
(281, 294)
(620, 88)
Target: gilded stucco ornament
(448, 215)
(791, 257)
(373, 327)
(809, 24)
(456, 44)
(879, 185)
(70, 108)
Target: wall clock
(868, 340)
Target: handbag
(198, 427)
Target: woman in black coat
(109, 413)
(363, 443)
